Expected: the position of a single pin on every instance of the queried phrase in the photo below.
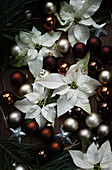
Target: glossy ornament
(7, 97)
(14, 50)
(63, 45)
(55, 147)
(92, 121)
(70, 125)
(46, 133)
(17, 78)
(106, 52)
(103, 108)
(104, 131)
(31, 127)
(20, 167)
(85, 133)
(94, 67)
(43, 155)
(14, 119)
(63, 68)
(94, 44)
(50, 22)
(50, 8)
(25, 89)
(79, 50)
(104, 92)
(50, 63)
(78, 112)
(28, 14)
(43, 73)
(105, 77)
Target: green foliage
(85, 144)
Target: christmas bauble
(79, 50)
(50, 63)
(47, 133)
(20, 167)
(50, 8)
(56, 147)
(105, 77)
(103, 108)
(92, 121)
(78, 112)
(17, 78)
(85, 133)
(28, 14)
(43, 73)
(104, 92)
(43, 155)
(70, 124)
(31, 127)
(14, 50)
(50, 22)
(94, 67)
(63, 68)
(25, 89)
(63, 45)
(14, 119)
(106, 52)
(7, 97)
(94, 44)
(104, 131)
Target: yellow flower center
(38, 47)
(73, 85)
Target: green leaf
(85, 144)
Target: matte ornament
(104, 92)
(56, 147)
(17, 78)
(14, 50)
(63, 45)
(99, 31)
(14, 119)
(31, 127)
(78, 112)
(103, 108)
(64, 136)
(7, 97)
(63, 68)
(50, 8)
(104, 131)
(20, 167)
(106, 52)
(94, 44)
(50, 22)
(70, 125)
(79, 50)
(25, 89)
(92, 121)
(94, 67)
(50, 63)
(85, 133)
(47, 133)
(105, 77)
(43, 155)
(43, 73)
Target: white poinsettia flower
(37, 47)
(94, 158)
(76, 17)
(74, 88)
(34, 105)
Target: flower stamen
(97, 167)
(77, 20)
(40, 104)
(38, 47)
(73, 85)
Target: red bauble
(106, 52)
(56, 147)
(17, 78)
(63, 68)
(31, 127)
(47, 133)
(94, 67)
(103, 108)
(43, 155)
(50, 63)
(94, 44)
(78, 112)
(79, 50)
(7, 97)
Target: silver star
(17, 134)
(99, 31)
(64, 136)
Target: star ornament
(99, 31)
(17, 134)
(64, 136)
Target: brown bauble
(55, 147)
(63, 68)
(32, 127)
(7, 97)
(79, 50)
(103, 108)
(50, 22)
(50, 63)
(94, 44)
(106, 52)
(104, 92)
(47, 133)
(17, 78)
(43, 155)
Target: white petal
(41, 120)
(19, 43)
(71, 37)
(32, 54)
(63, 23)
(49, 39)
(36, 37)
(49, 113)
(76, 5)
(37, 88)
(33, 112)
(25, 37)
(33, 97)
(61, 90)
(81, 32)
(88, 22)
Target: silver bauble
(25, 89)
(14, 119)
(103, 131)
(70, 125)
(85, 133)
(50, 8)
(105, 77)
(14, 50)
(63, 45)
(20, 167)
(92, 121)
(28, 14)
(43, 73)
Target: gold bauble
(63, 45)
(50, 8)
(25, 89)
(92, 121)
(105, 77)
(14, 50)
(70, 124)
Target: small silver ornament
(14, 119)
(14, 50)
(50, 8)
(43, 73)
(92, 121)
(85, 133)
(105, 77)
(28, 14)
(20, 167)
(63, 45)
(70, 124)
(25, 89)
(103, 131)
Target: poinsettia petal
(49, 113)
(61, 90)
(32, 54)
(33, 112)
(32, 97)
(20, 44)
(36, 36)
(25, 37)
(76, 5)
(88, 22)
(71, 37)
(41, 120)
(37, 88)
